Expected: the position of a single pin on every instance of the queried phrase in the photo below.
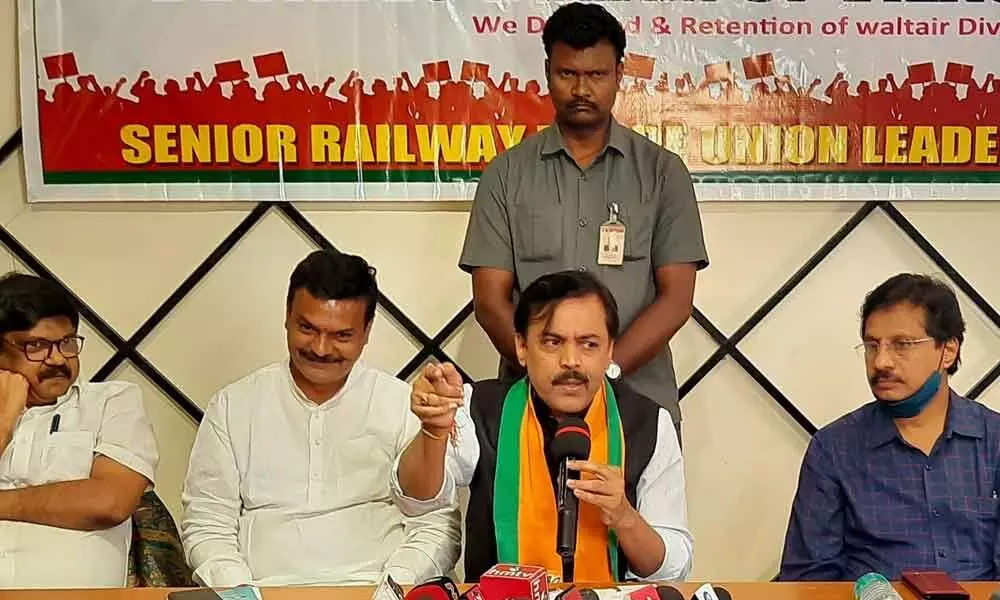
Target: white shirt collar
(71, 393)
(352, 378)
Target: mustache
(582, 104)
(882, 376)
(53, 372)
(311, 356)
(570, 377)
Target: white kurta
(94, 418)
(282, 491)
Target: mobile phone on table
(934, 585)
(195, 594)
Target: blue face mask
(913, 405)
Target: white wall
(742, 450)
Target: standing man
(909, 480)
(288, 482)
(589, 194)
(75, 458)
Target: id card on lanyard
(611, 245)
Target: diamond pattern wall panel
(159, 351)
(103, 268)
(763, 244)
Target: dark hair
(539, 299)
(332, 275)
(27, 299)
(581, 26)
(942, 316)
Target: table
(739, 591)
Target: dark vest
(639, 420)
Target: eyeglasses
(895, 348)
(40, 350)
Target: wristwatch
(613, 371)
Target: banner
(410, 99)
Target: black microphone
(711, 592)
(571, 442)
(666, 592)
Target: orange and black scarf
(524, 504)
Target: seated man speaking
(632, 510)
(908, 481)
(75, 458)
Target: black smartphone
(196, 594)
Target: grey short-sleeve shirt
(536, 212)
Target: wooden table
(739, 591)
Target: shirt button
(582, 222)
(929, 468)
(937, 513)
(581, 268)
(314, 476)
(941, 553)
(316, 443)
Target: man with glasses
(908, 481)
(75, 458)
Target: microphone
(503, 582)
(388, 589)
(652, 592)
(571, 442)
(666, 592)
(438, 588)
(711, 592)
(575, 593)
(872, 586)
(473, 593)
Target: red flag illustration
(921, 73)
(437, 71)
(60, 66)
(639, 65)
(759, 66)
(230, 70)
(270, 65)
(958, 73)
(717, 72)
(475, 71)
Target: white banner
(409, 99)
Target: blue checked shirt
(867, 501)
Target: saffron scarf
(524, 501)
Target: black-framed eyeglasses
(40, 350)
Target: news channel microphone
(652, 592)
(473, 593)
(514, 581)
(571, 442)
(711, 592)
(575, 593)
(872, 586)
(438, 588)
